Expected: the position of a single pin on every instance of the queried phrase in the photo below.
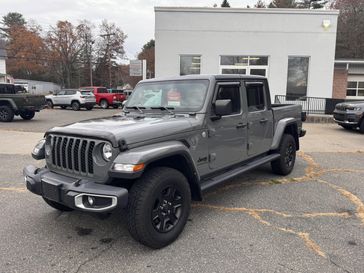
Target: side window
(231, 92)
(70, 92)
(61, 93)
(255, 96)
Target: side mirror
(223, 107)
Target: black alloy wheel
(6, 113)
(167, 209)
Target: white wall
(276, 33)
(2, 66)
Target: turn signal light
(128, 167)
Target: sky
(134, 17)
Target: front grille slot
(73, 155)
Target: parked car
(15, 101)
(104, 98)
(72, 98)
(193, 134)
(350, 115)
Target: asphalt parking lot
(310, 221)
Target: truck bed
(281, 111)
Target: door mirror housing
(223, 107)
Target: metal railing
(310, 105)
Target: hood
(130, 129)
(344, 105)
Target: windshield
(185, 95)
(86, 93)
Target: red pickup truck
(104, 98)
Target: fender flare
(11, 102)
(152, 153)
(279, 131)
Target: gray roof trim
(247, 10)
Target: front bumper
(348, 118)
(73, 192)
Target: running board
(212, 182)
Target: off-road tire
(104, 104)
(27, 115)
(56, 205)
(6, 113)
(146, 200)
(89, 108)
(75, 106)
(287, 149)
(50, 104)
(361, 127)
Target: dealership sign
(136, 68)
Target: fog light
(91, 200)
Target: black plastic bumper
(65, 190)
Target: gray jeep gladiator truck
(15, 101)
(175, 139)
(350, 115)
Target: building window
(355, 88)
(190, 64)
(297, 77)
(246, 65)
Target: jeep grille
(74, 155)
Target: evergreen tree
(260, 4)
(283, 4)
(311, 4)
(225, 4)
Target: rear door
(228, 134)
(260, 117)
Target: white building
(38, 87)
(2, 64)
(294, 48)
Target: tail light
(114, 98)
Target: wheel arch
(10, 103)
(173, 154)
(285, 126)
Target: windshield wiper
(164, 108)
(139, 108)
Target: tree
(260, 4)
(148, 53)
(350, 31)
(283, 4)
(65, 44)
(225, 4)
(110, 49)
(11, 20)
(26, 52)
(311, 4)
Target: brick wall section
(340, 83)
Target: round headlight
(107, 151)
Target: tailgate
(35, 100)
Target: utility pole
(108, 35)
(90, 56)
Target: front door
(260, 118)
(228, 133)
(58, 98)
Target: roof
(248, 10)
(206, 77)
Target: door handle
(241, 125)
(264, 120)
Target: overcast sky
(134, 17)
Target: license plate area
(51, 190)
